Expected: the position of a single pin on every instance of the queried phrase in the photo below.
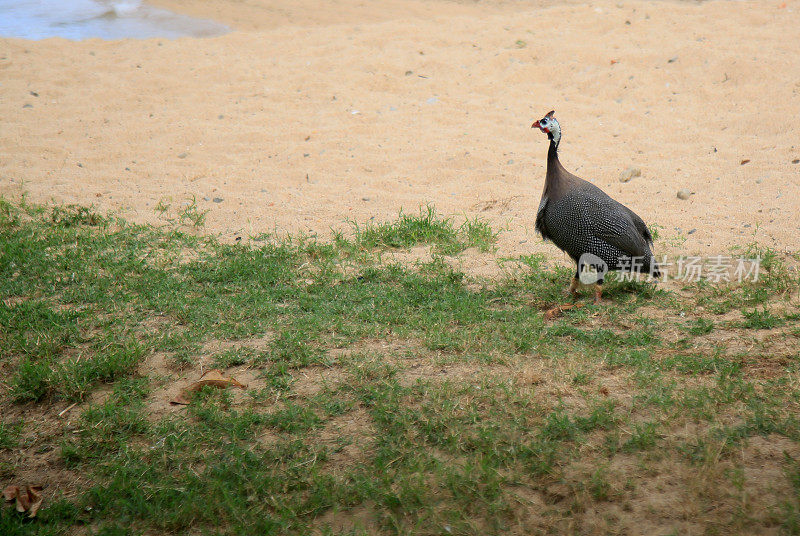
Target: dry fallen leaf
(29, 498)
(558, 310)
(214, 378)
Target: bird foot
(558, 310)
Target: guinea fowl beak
(535, 124)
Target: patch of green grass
(791, 506)
(74, 379)
(233, 357)
(71, 215)
(426, 227)
(10, 434)
(598, 484)
(478, 233)
(415, 397)
(762, 275)
(643, 437)
(762, 319)
(701, 326)
(192, 215)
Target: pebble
(217, 200)
(365, 198)
(684, 193)
(183, 155)
(510, 162)
(629, 173)
(27, 105)
(692, 231)
(432, 100)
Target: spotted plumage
(580, 218)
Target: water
(106, 19)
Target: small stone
(672, 60)
(692, 231)
(365, 198)
(27, 105)
(409, 73)
(684, 193)
(432, 100)
(629, 173)
(183, 155)
(220, 116)
(510, 162)
(206, 199)
(745, 161)
(796, 161)
(34, 93)
(217, 200)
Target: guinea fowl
(583, 221)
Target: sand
(307, 116)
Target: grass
(382, 398)
(426, 227)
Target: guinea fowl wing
(618, 229)
(640, 226)
(615, 223)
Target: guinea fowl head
(549, 125)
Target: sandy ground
(306, 116)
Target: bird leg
(598, 292)
(573, 288)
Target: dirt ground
(307, 115)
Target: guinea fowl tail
(654, 268)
